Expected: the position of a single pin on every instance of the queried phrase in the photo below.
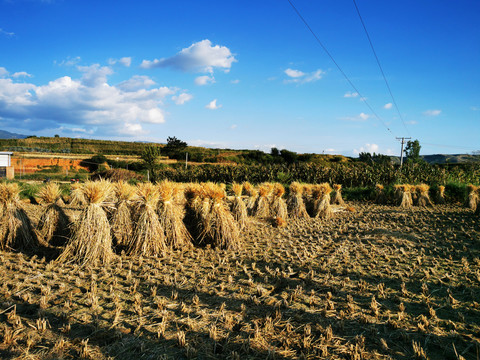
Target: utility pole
(186, 160)
(401, 152)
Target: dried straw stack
(262, 206)
(53, 225)
(239, 209)
(171, 213)
(295, 204)
(122, 225)
(77, 197)
(403, 192)
(441, 195)
(472, 197)
(91, 242)
(423, 197)
(337, 198)
(278, 206)
(252, 194)
(148, 236)
(16, 231)
(219, 226)
(321, 201)
(380, 194)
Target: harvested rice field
(375, 282)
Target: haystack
(278, 206)
(171, 213)
(262, 206)
(239, 209)
(16, 231)
(219, 226)
(403, 192)
(53, 225)
(148, 236)
(380, 197)
(422, 195)
(472, 196)
(77, 197)
(441, 195)
(252, 194)
(295, 204)
(122, 225)
(91, 242)
(337, 198)
(321, 201)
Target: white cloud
(125, 61)
(6, 33)
(136, 82)
(212, 105)
(69, 61)
(363, 116)
(299, 77)
(21, 74)
(3, 72)
(204, 80)
(371, 148)
(85, 103)
(294, 73)
(388, 106)
(198, 57)
(432, 112)
(236, 81)
(182, 98)
(349, 94)
(360, 117)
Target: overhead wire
(338, 66)
(380, 67)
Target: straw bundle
(53, 225)
(404, 193)
(472, 197)
(279, 206)
(295, 204)
(148, 236)
(16, 231)
(92, 239)
(423, 197)
(441, 195)
(122, 225)
(337, 198)
(262, 206)
(171, 214)
(252, 194)
(77, 197)
(239, 209)
(321, 201)
(380, 194)
(219, 226)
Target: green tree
(150, 156)
(174, 148)
(412, 151)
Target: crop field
(367, 281)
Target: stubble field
(378, 283)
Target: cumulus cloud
(388, 106)
(236, 81)
(371, 148)
(85, 103)
(300, 77)
(360, 117)
(349, 94)
(135, 83)
(204, 80)
(125, 61)
(182, 98)
(3, 72)
(432, 112)
(201, 56)
(212, 105)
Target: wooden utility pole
(401, 151)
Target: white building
(6, 168)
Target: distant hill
(8, 135)
(451, 159)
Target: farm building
(6, 168)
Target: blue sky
(244, 74)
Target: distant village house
(6, 168)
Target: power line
(338, 66)
(380, 66)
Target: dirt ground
(378, 283)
